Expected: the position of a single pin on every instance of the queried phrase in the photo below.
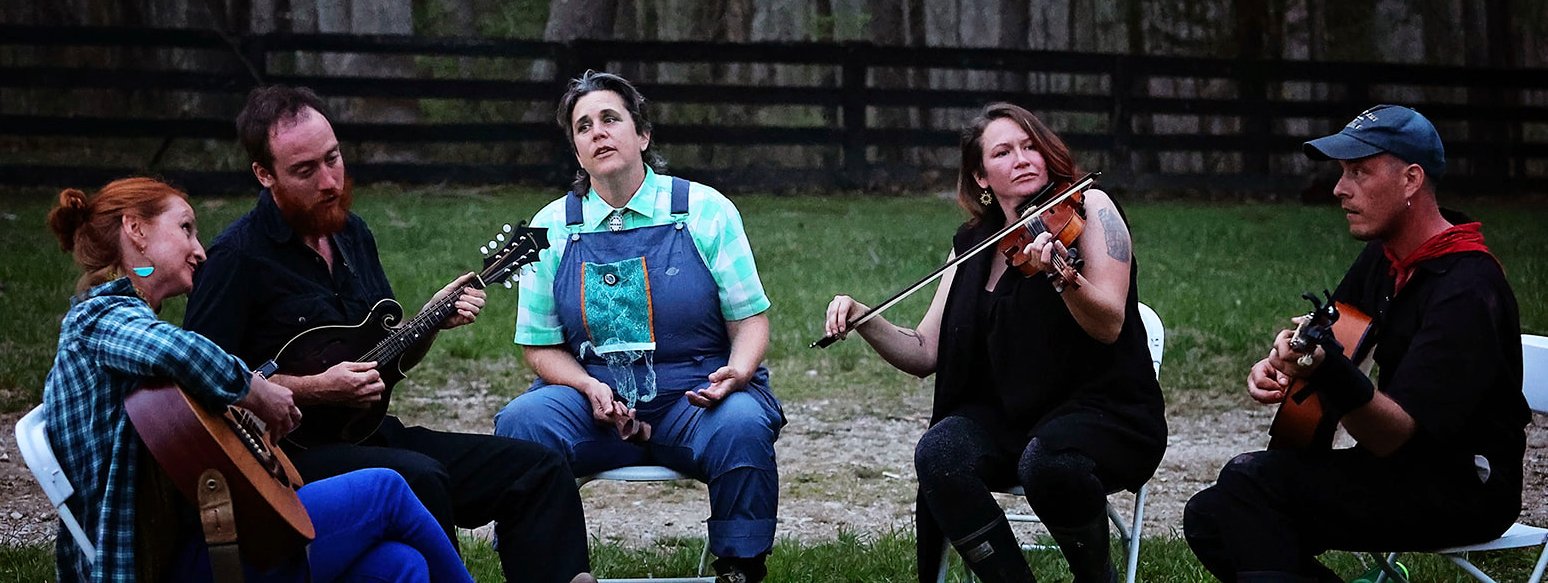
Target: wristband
(1340, 383)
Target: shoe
(1371, 575)
(740, 570)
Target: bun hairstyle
(88, 227)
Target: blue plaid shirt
(109, 344)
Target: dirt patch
(844, 467)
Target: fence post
(852, 86)
(255, 57)
(1256, 123)
(1122, 124)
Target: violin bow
(1027, 217)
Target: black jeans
(1272, 512)
(960, 459)
(469, 480)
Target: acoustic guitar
(186, 439)
(382, 337)
(1301, 422)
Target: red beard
(321, 216)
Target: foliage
(523, 19)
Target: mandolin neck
(421, 326)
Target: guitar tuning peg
(483, 250)
(508, 284)
(500, 237)
(507, 227)
(493, 245)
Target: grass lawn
(1224, 277)
(872, 558)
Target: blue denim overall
(678, 337)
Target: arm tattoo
(912, 334)
(1112, 230)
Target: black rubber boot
(993, 554)
(1085, 548)
(741, 570)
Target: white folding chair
(1534, 384)
(1128, 534)
(33, 443)
(652, 474)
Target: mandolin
(186, 439)
(383, 337)
(1301, 422)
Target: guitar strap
(219, 521)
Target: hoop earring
(986, 198)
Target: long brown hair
(1060, 165)
(88, 228)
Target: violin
(1041, 211)
(1066, 220)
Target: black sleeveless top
(1027, 353)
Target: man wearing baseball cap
(1439, 436)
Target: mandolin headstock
(509, 251)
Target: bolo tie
(615, 222)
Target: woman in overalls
(646, 324)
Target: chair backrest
(1534, 371)
(1155, 333)
(32, 440)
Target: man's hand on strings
(468, 305)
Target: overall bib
(641, 312)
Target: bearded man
(300, 259)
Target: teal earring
(144, 271)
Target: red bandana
(1457, 239)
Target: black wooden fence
(1496, 133)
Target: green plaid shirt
(713, 222)
(109, 344)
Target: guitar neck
(421, 326)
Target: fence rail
(1503, 143)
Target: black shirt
(1448, 350)
(1034, 360)
(262, 285)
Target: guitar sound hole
(245, 424)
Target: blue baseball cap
(1393, 129)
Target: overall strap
(572, 210)
(679, 196)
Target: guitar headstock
(509, 251)
(1317, 326)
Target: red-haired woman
(137, 245)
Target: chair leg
(1461, 561)
(1542, 564)
(1389, 568)
(945, 562)
(1132, 566)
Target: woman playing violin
(1042, 380)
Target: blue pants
(369, 528)
(730, 447)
